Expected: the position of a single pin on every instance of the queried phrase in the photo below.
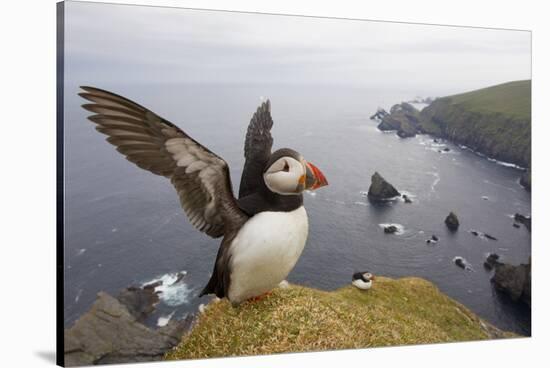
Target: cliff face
(495, 121)
(392, 312)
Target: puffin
(263, 231)
(362, 280)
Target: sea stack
(452, 221)
(380, 189)
(515, 281)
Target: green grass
(511, 99)
(295, 319)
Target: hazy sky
(131, 44)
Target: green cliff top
(394, 312)
(512, 99)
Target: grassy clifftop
(495, 121)
(511, 99)
(393, 312)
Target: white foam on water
(501, 163)
(506, 164)
(468, 265)
(78, 295)
(171, 293)
(334, 201)
(311, 193)
(408, 194)
(163, 320)
(81, 251)
(361, 203)
(400, 228)
(436, 180)
(114, 230)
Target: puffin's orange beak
(314, 177)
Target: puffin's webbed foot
(259, 297)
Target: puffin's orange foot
(259, 297)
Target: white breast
(362, 284)
(265, 251)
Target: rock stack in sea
(403, 118)
(514, 281)
(379, 114)
(380, 189)
(452, 221)
(525, 220)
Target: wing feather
(257, 149)
(201, 178)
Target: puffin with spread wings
(264, 230)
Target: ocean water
(124, 226)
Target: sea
(124, 226)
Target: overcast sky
(131, 44)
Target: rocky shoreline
(113, 330)
(500, 129)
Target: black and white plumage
(362, 280)
(264, 231)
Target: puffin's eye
(286, 168)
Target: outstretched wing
(257, 149)
(201, 177)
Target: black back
(360, 276)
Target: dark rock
(379, 114)
(514, 281)
(433, 239)
(179, 277)
(525, 180)
(446, 149)
(110, 333)
(490, 237)
(436, 141)
(407, 199)
(140, 302)
(491, 261)
(406, 133)
(460, 262)
(403, 118)
(516, 225)
(380, 189)
(525, 220)
(153, 285)
(390, 229)
(474, 233)
(452, 221)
